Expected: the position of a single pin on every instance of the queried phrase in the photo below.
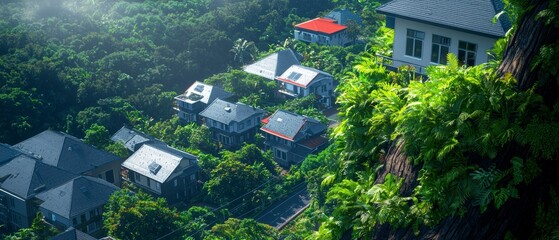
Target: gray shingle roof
(7, 153)
(292, 126)
(73, 234)
(226, 112)
(204, 93)
(132, 139)
(472, 16)
(159, 162)
(342, 16)
(25, 176)
(65, 152)
(274, 64)
(77, 196)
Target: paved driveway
(279, 214)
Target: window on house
(281, 154)
(467, 53)
(440, 49)
(157, 186)
(109, 176)
(82, 218)
(241, 126)
(414, 43)
(149, 182)
(137, 177)
(175, 182)
(53, 217)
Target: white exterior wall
(339, 38)
(400, 35)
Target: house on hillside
(77, 203)
(195, 99)
(132, 139)
(274, 64)
(324, 31)
(21, 179)
(292, 137)
(299, 81)
(73, 234)
(163, 171)
(68, 153)
(232, 124)
(344, 17)
(426, 31)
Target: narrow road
(279, 214)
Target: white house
(426, 31)
(324, 31)
(300, 81)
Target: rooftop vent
(154, 168)
(228, 108)
(279, 119)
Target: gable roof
(342, 16)
(226, 112)
(204, 93)
(73, 234)
(7, 153)
(292, 126)
(77, 196)
(321, 25)
(65, 152)
(474, 16)
(24, 176)
(131, 139)
(160, 163)
(301, 76)
(274, 64)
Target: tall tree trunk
(516, 216)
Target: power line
(220, 207)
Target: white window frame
(415, 38)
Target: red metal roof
(266, 120)
(323, 25)
(276, 134)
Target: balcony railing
(393, 64)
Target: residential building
(133, 140)
(68, 153)
(299, 81)
(232, 124)
(324, 31)
(426, 31)
(291, 137)
(344, 16)
(77, 203)
(73, 234)
(163, 171)
(20, 180)
(195, 99)
(274, 64)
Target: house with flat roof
(324, 31)
(71, 154)
(292, 137)
(426, 31)
(21, 179)
(274, 64)
(300, 81)
(78, 203)
(195, 99)
(232, 124)
(163, 171)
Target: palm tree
(243, 48)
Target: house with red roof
(324, 31)
(292, 137)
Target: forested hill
(61, 57)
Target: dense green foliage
(242, 229)
(39, 230)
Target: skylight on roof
(199, 88)
(294, 76)
(154, 168)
